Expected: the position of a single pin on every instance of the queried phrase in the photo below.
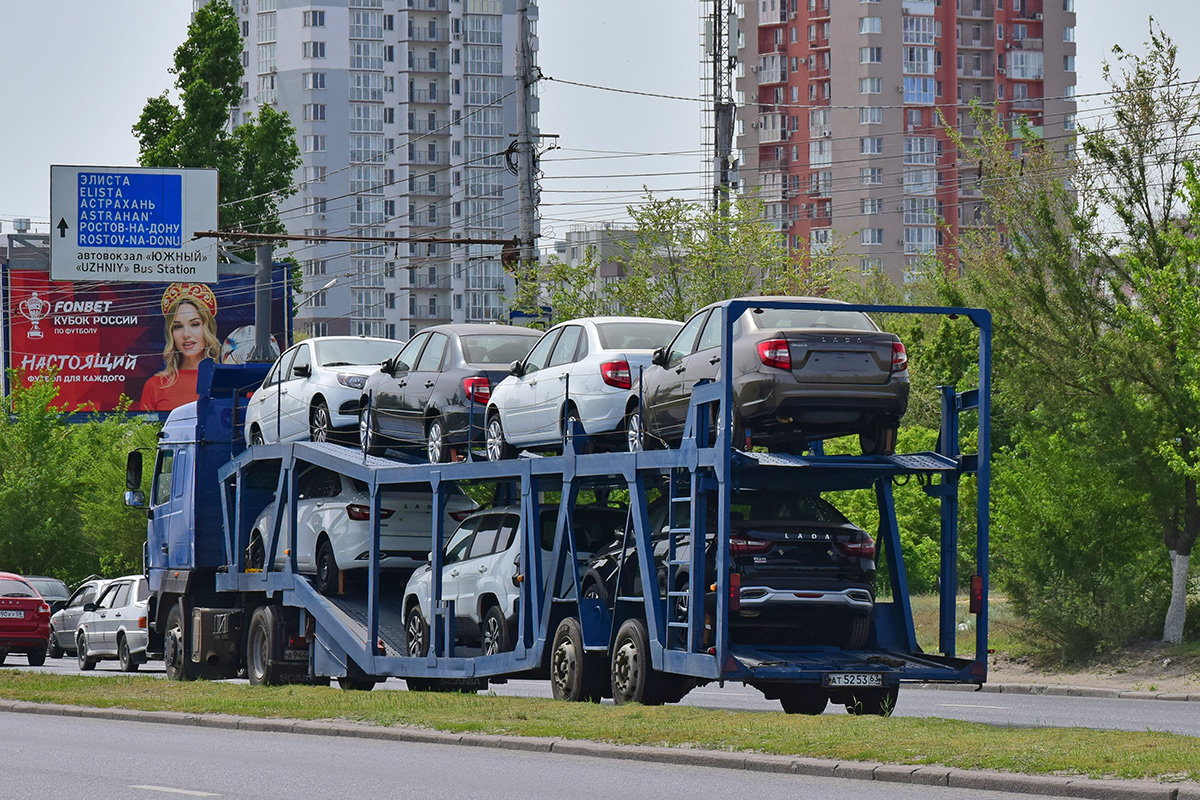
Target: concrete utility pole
(262, 304)
(721, 44)
(526, 77)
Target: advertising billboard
(108, 344)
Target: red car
(24, 620)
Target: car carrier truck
(214, 615)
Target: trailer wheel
(416, 633)
(575, 676)
(496, 638)
(262, 649)
(634, 680)
(880, 702)
(328, 574)
(803, 700)
(354, 684)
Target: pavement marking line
(169, 790)
(972, 705)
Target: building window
(314, 80)
(871, 236)
(1068, 63)
(871, 145)
(919, 91)
(389, 115)
(870, 55)
(1069, 33)
(389, 22)
(1069, 122)
(319, 300)
(872, 205)
(314, 19)
(389, 53)
(314, 174)
(869, 266)
(870, 24)
(314, 49)
(870, 116)
(314, 268)
(870, 85)
(1069, 6)
(871, 176)
(314, 112)
(314, 144)
(315, 205)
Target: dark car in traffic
(433, 394)
(52, 590)
(801, 572)
(799, 376)
(24, 620)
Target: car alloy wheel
(435, 442)
(635, 436)
(321, 425)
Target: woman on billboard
(190, 311)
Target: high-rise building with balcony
(842, 104)
(403, 112)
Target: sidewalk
(1046, 786)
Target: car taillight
(142, 623)
(616, 373)
(899, 357)
(43, 610)
(359, 513)
(477, 389)
(459, 516)
(742, 546)
(775, 353)
(860, 548)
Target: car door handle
(429, 384)
(715, 360)
(483, 569)
(454, 573)
(533, 383)
(680, 370)
(401, 384)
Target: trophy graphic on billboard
(34, 309)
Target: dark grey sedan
(799, 376)
(434, 392)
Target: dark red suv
(24, 620)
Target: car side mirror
(388, 365)
(514, 368)
(429, 557)
(89, 607)
(302, 370)
(659, 357)
(133, 470)
(135, 498)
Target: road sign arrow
(62, 227)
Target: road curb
(1061, 690)
(922, 775)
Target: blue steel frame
(892, 651)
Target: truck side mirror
(133, 471)
(135, 499)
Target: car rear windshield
(496, 348)
(772, 318)
(766, 507)
(11, 588)
(342, 352)
(636, 335)
(50, 588)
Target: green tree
(256, 160)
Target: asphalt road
(1014, 710)
(44, 756)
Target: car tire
(569, 420)
(368, 434)
(494, 632)
(634, 679)
(635, 433)
(435, 442)
(575, 676)
(176, 659)
(320, 425)
(256, 552)
(877, 702)
(86, 662)
(803, 699)
(126, 658)
(856, 632)
(498, 449)
(328, 574)
(36, 657)
(878, 438)
(256, 436)
(416, 634)
(53, 648)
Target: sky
(77, 73)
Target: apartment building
(841, 109)
(403, 112)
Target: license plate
(854, 679)
(12, 615)
(295, 655)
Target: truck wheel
(124, 657)
(36, 657)
(803, 700)
(53, 648)
(86, 662)
(349, 684)
(881, 702)
(179, 666)
(262, 648)
(634, 680)
(328, 574)
(416, 633)
(496, 638)
(575, 676)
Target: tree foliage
(256, 160)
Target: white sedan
(333, 527)
(314, 388)
(579, 370)
(115, 625)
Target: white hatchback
(314, 388)
(580, 370)
(333, 527)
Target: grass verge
(962, 745)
